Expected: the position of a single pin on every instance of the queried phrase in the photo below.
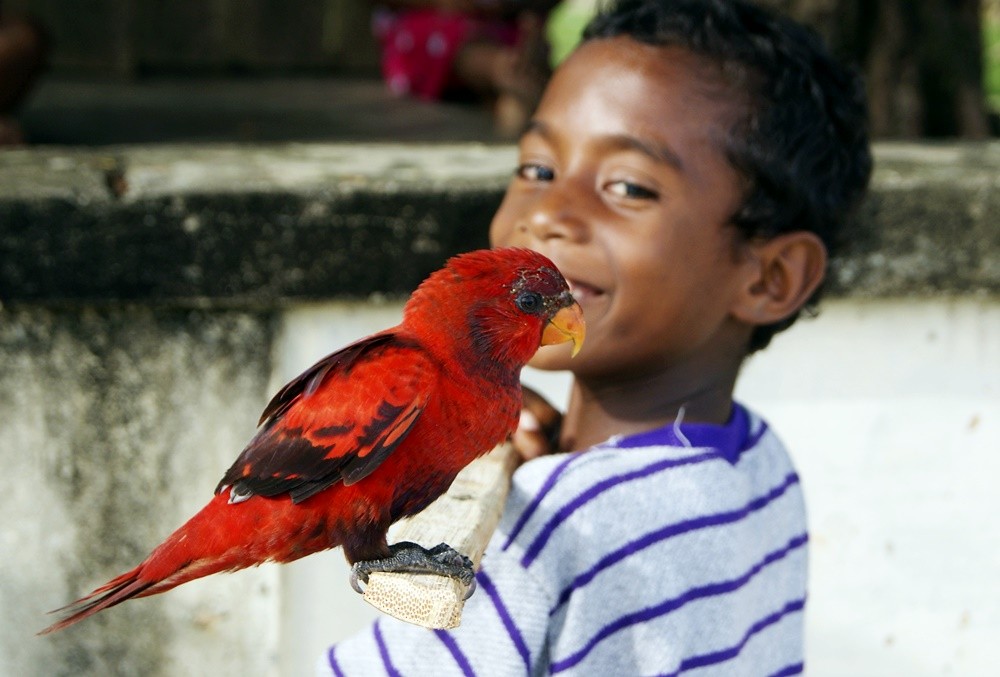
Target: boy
(687, 169)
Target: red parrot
(373, 432)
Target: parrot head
(502, 303)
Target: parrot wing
(337, 421)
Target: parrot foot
(411, 558)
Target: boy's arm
(503, 631)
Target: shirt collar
(729, 438)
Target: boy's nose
(558, 213)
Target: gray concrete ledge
(263, 225)
(929, 225)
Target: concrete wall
(152, 300)
(892, 410)
(114, 422)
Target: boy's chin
(553, 358)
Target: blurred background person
(23, 47)
(491, 50)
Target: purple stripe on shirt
(672, 604)
(593, 492)
(733, 651)
(383, 652)
(334, 665)
(669, 531)
(550, 482)
(456, 653)
(796, 669)
(486, 583)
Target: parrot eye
(529, 302)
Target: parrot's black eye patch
(529, 302)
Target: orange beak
(566, 325)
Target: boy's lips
(582, 291)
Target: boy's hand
(538, 430)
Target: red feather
(369, 434)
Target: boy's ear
(782, 273)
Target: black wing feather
(282, 459)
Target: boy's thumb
(529, 422)
(529, 440)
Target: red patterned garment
(419, 47)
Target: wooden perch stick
(464, 518)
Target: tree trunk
(922, 59)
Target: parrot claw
(355, 577)
(407, 557)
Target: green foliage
(991, 57)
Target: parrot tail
(212, 541)
(116, 590)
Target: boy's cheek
(503, 229)
(512, 237)
(500, 235)
(497, 229)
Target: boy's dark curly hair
(802, 141)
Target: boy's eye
(532, 172)
(631, 190)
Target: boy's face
(623, 183)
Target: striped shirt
(660, 553)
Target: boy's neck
(601, 409)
